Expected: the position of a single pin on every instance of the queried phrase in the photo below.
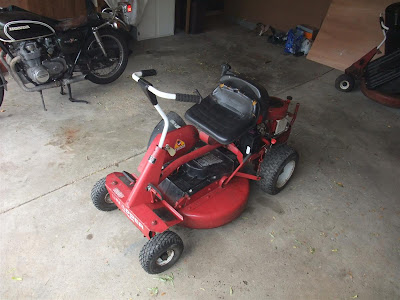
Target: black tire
(345, 83)
(1, 95)
(101, 197)
(161, 252)
(273, 166)
(116, 48)
(175, 121)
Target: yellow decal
(179, 145)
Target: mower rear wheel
(345, 83)
(277, 168)
(161, 252)
(101, 198)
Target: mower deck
(216, 207)
(211, 207)
(377, 96)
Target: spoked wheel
(277, 168)
(101, 198)
(161, 252)
(345, 83)
(103, 69)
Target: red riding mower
(199, 177)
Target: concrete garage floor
(332, 234)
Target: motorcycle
(42, 53)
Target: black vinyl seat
(231, 110)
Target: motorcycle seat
(230, 111)
(71, 23)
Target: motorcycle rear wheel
(103, 70)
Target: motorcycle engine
(38, 68)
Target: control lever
(225, 68)
(198, 93)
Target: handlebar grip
(188, 98)
(150, 72)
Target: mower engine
(280, 120)
(276, 127)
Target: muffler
(11, 68)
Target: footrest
(120, 185)
(147, 217)
(156, 217)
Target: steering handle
(151, 92)
(188, 98)
(146, 73)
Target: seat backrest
(246, 86)
(251, 89)
(235, 100)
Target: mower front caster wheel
(345, 83)
(277, 168)
(161, 252)
(101, 198)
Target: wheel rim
(165, 258)
(286, 173)
(344, 85)
(107, 71)
(107, 199)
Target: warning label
(179, 144)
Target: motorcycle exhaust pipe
(73, 79)
(13, 71)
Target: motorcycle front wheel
(103, 70)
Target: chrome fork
(95, 30)
(97, 36)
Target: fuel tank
(17, 24)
